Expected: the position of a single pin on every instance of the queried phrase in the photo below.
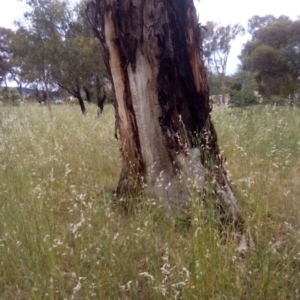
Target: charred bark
(152, 51)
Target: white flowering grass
(61, 237)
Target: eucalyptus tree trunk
(168, 142)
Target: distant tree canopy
(270, 60)
(242, 89)
(217, 41)
(5, 52)
(273, 54)
(53, 47)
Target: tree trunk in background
(77, 94)
(168, 142)
(101, 95)
(46, 97)
(75, 91)
(20, 90)
(87, 94)
(292, 98)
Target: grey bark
(168, 141)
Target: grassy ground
(60, 238)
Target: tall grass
(61, 238)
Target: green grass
(61, 238)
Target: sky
(219, 11)
(239, 11)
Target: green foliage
(214, 84)
(273, 53)
(277, 34)
(5, 53)
(54, 46)
(243, 95)
(216, 43)
(276, 100)
(9, 96)
(268, 60)
(291, 54)
(258, 22)
(61, 237)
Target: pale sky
(239, 11)
(220, 11)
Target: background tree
(21, 70)
(215, 87)
(257, 22)
(162, 102)
(79, 69)
(53, 48)
(273, 53)
(217, 41)
(44, 23)
(243, 89)
(291, 54)
(5, 53)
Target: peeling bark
(152, 51)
